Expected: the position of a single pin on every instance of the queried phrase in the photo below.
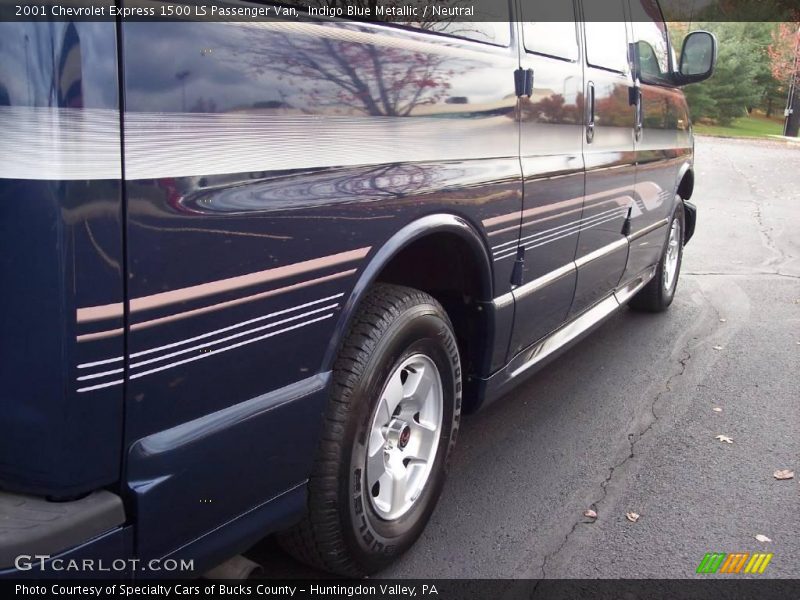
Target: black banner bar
(432, 589)
(377, 11)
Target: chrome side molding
(601, 252)
(627, 291)
(566, 334)
(649, 229)
(548, 278)
(524, 362)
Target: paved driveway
(624, 422)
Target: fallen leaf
(762, 538)
(783, 474)
(724, 438)
(590, 513)
(717, 347)
(632, 516)
(717, 409)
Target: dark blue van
(253, 272)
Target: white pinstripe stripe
(100, 362)
(536, 245)
(204, 335)
(98, 375)
(237, 325)
(207, 354)
(571, 224)
(101, 385)
(226, 348)
(232, 337)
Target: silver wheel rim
(404, 436)
(673, 253)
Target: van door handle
(590, 112)
(636, 100)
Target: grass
(748, 127)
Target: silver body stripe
(194, 145)
(59, 143)
(84, 143)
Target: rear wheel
(658, 294)
(389, 430)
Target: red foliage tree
(783, 52)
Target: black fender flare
(417, 229)
(690, 210)
(686, 169)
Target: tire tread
(318, 540)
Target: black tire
(656, 296)
(342, 532)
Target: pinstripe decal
(187, 294)
(554, 237)
(105, 372)
(216, 343)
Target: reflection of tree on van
(370, 79)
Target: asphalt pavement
(625, 422)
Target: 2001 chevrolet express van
(253, 272)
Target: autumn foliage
(783, 51)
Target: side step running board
(534, 356)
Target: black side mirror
(698, 58)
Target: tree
(785, 68)
(738, 84)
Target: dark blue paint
(102, 551)
(60, 248)
(222, 465)
(219, 448)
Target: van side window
(495, 33)
(606, 35)
(495, 30)
(652, 42)
(549, 29)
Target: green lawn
(743, 127)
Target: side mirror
(698, 58)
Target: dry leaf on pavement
(762, 538)
(783, 474)
(724, 438)
(590, 513)
(632, 516)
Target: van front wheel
(390, 426)
(658, 294)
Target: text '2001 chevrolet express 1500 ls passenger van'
(253, 272)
